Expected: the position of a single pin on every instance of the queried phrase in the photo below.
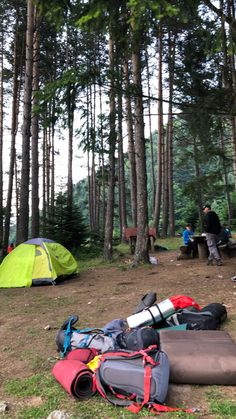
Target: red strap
(157, 408)
(143, 352)
(136, 407)
(147, 383)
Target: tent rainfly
(36, 262)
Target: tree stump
(184, 253)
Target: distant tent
(36, 262)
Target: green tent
(36, 262)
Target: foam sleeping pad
(200, 356)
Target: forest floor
(30, 318)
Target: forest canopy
(144, 90)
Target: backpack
(208, 318)
(194, 320)
(135, 379)
(138, 338)
(68, 338)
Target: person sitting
(188, 241)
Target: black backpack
(208, 318)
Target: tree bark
(14, 128)
(141, 249)
(121, 169)
(170, 137)
(157, 211)
(70, 120)
(165, 192)
(150, 131)
(35, 135)
(22, 233)
(131, 151)
(1, 136)
(108, 249)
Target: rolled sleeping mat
(75, 377)
(152, 315)
(84, 355)
(161, 311)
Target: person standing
(212, 228)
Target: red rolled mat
(84, 355)
(75, 377)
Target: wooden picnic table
(131, 236)
(202, 248)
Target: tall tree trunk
(141, 249)
(1, 136)
(103, 191)
(93, 188)
(44, 212)
(70, 110)
(22, 233)
(88, 147)
(198, 175)
(157, 211)
(170, 137)
(121, 169)
(225, 176)
(228, 84)
(131, 151)
(14, 128)
(48, 164)
(150, 132)
(108, 250)
(35, 135)
(53, 162)
(232, 39)
(165, 204)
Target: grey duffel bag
(125, 373)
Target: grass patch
(55, 398)
(220, 406)
(223, 408)
(90, 260)
(36, 385)
(172, 243)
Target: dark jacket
(212, 223)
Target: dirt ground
(30, 317)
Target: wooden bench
(130, 234)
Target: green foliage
(55, 10)
(66, 225)
(220, 406)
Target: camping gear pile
(131, 361)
